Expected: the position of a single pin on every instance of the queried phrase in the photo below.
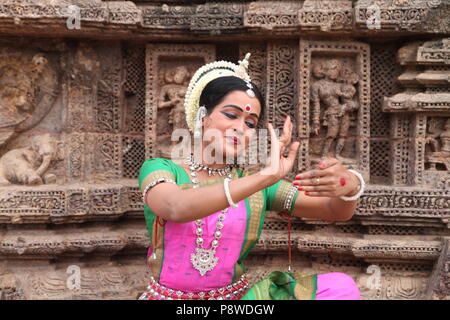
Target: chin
(233, 153)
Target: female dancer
(204, 216)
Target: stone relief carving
(438, 155)
(168, 79)
(334, 103)
(419, 114)
(326, 15)
(29, 165)
(172, 95)
(334, 89)
(28, 88)
(288, 71)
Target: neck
(209, 160)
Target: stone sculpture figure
(28, 165)
(334, 90)
(440, 154)
(172, 95)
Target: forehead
(240, 98)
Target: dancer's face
(235, 119)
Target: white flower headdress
(206, 74)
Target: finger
(319, 194)
(311, 174)
(293, 150)
(289, 137)
(328, 188)
(273, 135)
(284, 138)
(313, 182)
(327, 163)
(275, 144)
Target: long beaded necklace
(203, 259)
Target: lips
(234, 140)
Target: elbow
(178, 213)
(345, 216)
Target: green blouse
(269, 199)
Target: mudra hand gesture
(330, 179)
(278, 165)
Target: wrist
(356, 185)
(267, 179)
(361, 188)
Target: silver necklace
(203, 259)
(195, 166)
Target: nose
(238, 127)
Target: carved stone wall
(81, 109)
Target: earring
(201, 113)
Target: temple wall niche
(81, 109)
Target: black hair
(217, 89)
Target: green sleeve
(277, 194)
(154, 169)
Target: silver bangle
(362, 186)
(154, 183)
(289, 198)
(227, 193)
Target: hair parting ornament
(204, 75)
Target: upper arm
(158, 198)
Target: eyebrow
(240, 109)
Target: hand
(279, 166)
(330, 179)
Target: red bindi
(343, 182)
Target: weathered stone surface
(79, 116)
(154, 19)
(439, 285)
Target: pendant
(204, 260)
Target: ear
(206, 121)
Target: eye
(230, 115)
(250, 124)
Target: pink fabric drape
(336, 286)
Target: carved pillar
(420, 151)
(439, 285)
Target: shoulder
(154, 164)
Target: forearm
(196, 203)
(340, 210)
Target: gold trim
(280, 196)
(304, 287)
(256, 202)
(155, 264)
(155, 175)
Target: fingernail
(299, 188)
(298, 178)
(321, 165)
(307, 193)
(295, 183)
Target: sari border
(155, 175)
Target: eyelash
(232, 116)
